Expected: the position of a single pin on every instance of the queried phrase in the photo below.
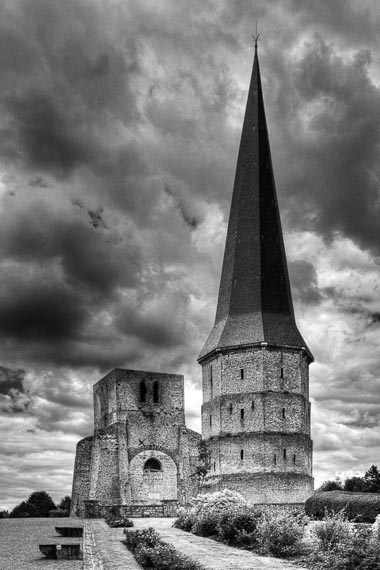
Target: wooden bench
(69, 530)
(62, 551)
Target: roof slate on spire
(255, 303)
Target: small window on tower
(156, 392)
(253, 405)
(275, 459)
(241, 454)
(282, 371)
(230, 409)
(294, 459)
(283, 413)
(285, 454)
(142, 391)
(242, 414)
(242, 373)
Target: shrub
(151, 552)
(280, 535)
(354, 551)
(239, 529)
(122, 522)
(361, 507)
(376, 529)
(206, 525)
(147, 536)
(185, 520)
(332, 531)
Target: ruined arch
(148, 484)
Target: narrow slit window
(275, 459)
(242, 414)
(230, 409)
(214, 466)
(294, 459)
(210, 421)
(142, 391)
(242, 454)
(285, 454)
(156, 392)
(283, 413)
(211, 373)
(282, 372)
(242, 373)
(253, 405)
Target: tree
(38, 504)
(4, 514)
(372, 479)
(65, 504)
(355, 484)
(204, 461)
(331, 486)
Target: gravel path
(211, 554)
(19, 540)
(103, 548)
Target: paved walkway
(210, 554)
(103, 548)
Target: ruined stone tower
(141, 458)
(256, 410)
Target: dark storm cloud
(41, 131)
(13, 397)
(10, 378)
(39, 312)
(339, 110)
(303, 278)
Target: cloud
(120, 126)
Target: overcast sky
(119, 129)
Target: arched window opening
(231, 408)
(152, 465)
(156, 392)
(142, 391)
(285, 454)
(242, 414)
(242, 454)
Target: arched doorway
(153, 477)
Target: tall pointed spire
(254, 304)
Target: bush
(151, 552)
(333, 531)
(185, 520)
(147, 536)
(361, 507)
(280, 535)
(240, 529)
(119, 522)
(355, 550)
(206, 525)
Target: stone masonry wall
(81, 479)
(138, 415)
(256, 420)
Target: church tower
(256, 410)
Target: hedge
(360, 507)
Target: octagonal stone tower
(256, 410)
